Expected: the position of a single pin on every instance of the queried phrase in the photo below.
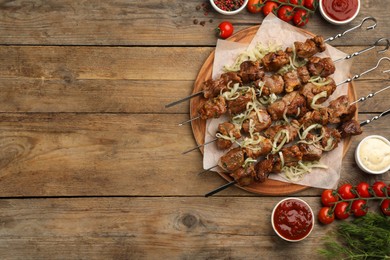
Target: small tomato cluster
(352, 200)
(297, 11)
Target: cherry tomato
(325, 215)
(300, 18)
(286, 13)
(385, 207)
(329, 197)
(311, 4)
(359, 208)
(254, 6)
(225, 29)
(297, 2)
(341, 210)
(363, 190)
(345, 191)
(379, 188)
(269, 7)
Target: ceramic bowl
(359, 160)
(228, 12)
(276, 211)
(334, 21)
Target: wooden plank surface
(90, 159)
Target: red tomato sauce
(293, 219)
(340, 10)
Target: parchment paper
(274, 30)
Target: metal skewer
(369, 18)
(369, 96)
(375, 118)
(184, 99)
(189, 120)
(192, 149)
(376, 44)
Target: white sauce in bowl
(375, 154)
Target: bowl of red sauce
(292, 219)
(229, 7)
(339, 11)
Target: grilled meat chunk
(273, 61)
(351, 127)
(310, 47)
(323, 67)
(213, 88)
(261, 146)
(233, 159)
(272, 131)
(341, 110)
(271, 85)
(213, 108)
(310, 152)
(261, 121)
(320, 116)
(330, 139)
(250, 71)
(238, 105)
(244, 176)
(230, 130)
(309, 90)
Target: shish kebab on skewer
(306, 50)
(251, 75)
(228, 132)
(294, 104)
(291, 155)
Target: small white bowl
(358, 158)
(228, 12)
(337, 22)
(310, 212)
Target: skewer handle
(353, 28)
(223, 187)
(192, 149)
(375, 118)
(183, 99)
(188, 121)
(369, 96)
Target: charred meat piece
(292, 104)
(294, 79)
(320, 116)
(264, 168)
(238, 105)
(310, 47)
(273, 61)
(272, 85)
(250, 71)
(277, 109)
(310, 152)
(323, 67)
(230, 130)
(262, 147)
(213, 108)
(261, 121)
(330, 139)
(291, 155)
(233, 159)
(244, 176)
(309, 90)
(213, 88)
(341, 110)
(351, 127)
(272, 131)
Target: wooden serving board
(269, 187)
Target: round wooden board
(269, 187)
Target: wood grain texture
(122, 22)
(148, 228)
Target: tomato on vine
(363, 190)
(301, 17)
(325, 215)
(379, 188)
(286, 13)
(346, 192)
(359, 208)
(269, 7)
(329, 197)
(385, 207)
(254, 6)
(311, 4)
(225, 29)
(342, 210)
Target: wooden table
(90, 159)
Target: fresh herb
(367, 237)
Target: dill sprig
(367, 237)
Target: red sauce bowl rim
(333, 21)
(273, 224)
